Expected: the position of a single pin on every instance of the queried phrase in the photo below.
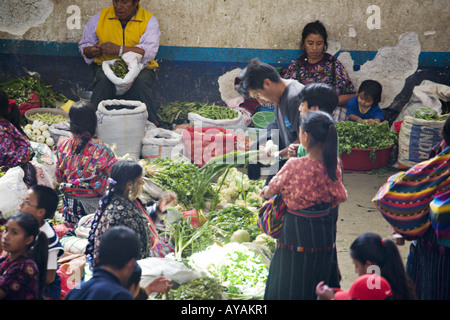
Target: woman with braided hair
(83, 164)
(121, 207)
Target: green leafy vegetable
(364, 135)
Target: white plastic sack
(427, 94)
(160, 143)
(416, 139)
(133, 61)
(125, 127)
(153, 268)
(237, 124)
(12, 191)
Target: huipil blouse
(304, 182)
(15, 148)
(89, 169)
(329, 70)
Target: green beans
(120, 68)
(48, 118)
(216, 112)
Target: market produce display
(215, 112)
(22, 89)
(120, 68)
(177, 112)
(364, 135)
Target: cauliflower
(50, 142)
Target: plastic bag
(133, 61)
(153, 268)
(12, 191)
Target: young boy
(41, 202)
(365, 105)
(315, 96)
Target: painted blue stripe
(205, 54)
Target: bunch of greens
(21, 90)
(427, 113)
(201, 288)
(364, 135)
(177, 174)
(233, 218)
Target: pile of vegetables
(120, 68)
(364, 135)
(48, 118)
(38, 132)
(215, 112)
(237, 188)
(202, 288)
(429, 114)
(238, 267)
(22, 89)
(177, 112)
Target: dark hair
(371, 88)
(320, 94)
(48, 199)
(12, 115)
(135, 276)
(118, 246)
(446, 131)
(384, 253)
(253, 76)
(315, 27)
(38, 249)
(83, 123)
(121, 173)
(319, 125)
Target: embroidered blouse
(329, 70)
(304, 182)
(15, 148)
(89, 169)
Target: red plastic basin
(359, 159)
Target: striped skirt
(304, 254)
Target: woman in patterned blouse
(310, 186)
(82, 164)
(15, 148)
(121, 207)
(315, 65)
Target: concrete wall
(203, 39)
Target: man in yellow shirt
(123, 27)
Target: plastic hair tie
(112, 181)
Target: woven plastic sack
(160, 143)
(123, 127)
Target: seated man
(110, 33)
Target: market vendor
(315, 65)
(123, 27)
(262, 82)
